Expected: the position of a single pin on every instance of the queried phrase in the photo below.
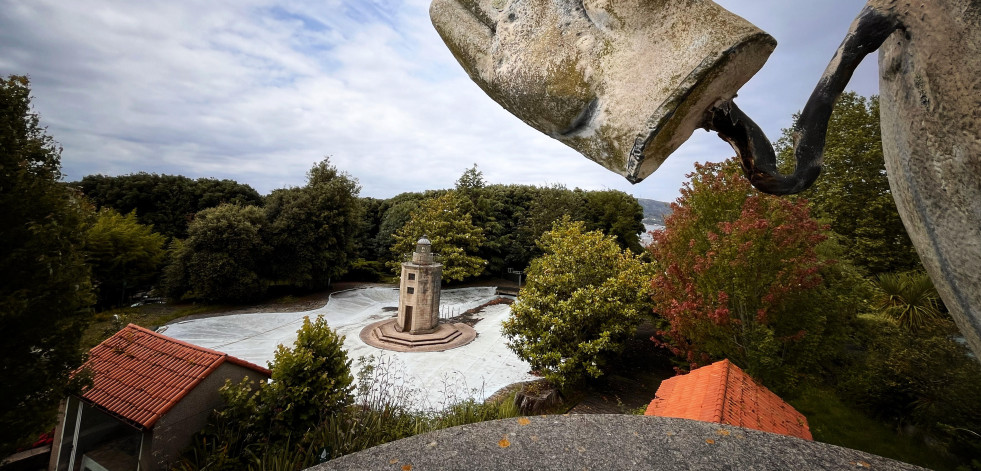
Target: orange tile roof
(138, 374)
(723, 393)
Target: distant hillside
(654, 211)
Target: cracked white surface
(476, 370)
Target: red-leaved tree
(739, 277)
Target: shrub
(311, 383)
(584, 298)
(910, 299)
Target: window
(410, 290)
(412, 276)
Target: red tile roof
(723, 393)
(139, 375)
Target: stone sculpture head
(624, 82)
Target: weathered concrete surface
(930, 85)
(603, 442)
(624, 82)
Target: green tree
(222, 255)
(617, 214)
(740, 276)
(485, 213)
(547, 205)
(311, 383)
(584, 298)
(509, 204)
(456, 240)
(853, 193)
(176, 277)
(125, 255)
(312, 230)
(471, 183)
(398, 211)
(372, 213)
(45, 288)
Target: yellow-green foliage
(456, 240)
(584, 298)
(125, 255)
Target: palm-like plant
(910, 299)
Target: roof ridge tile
(724, 393)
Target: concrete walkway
(432, 379)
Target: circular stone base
(382, 334)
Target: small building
(419, 291)
(150, 394)
(722, 393)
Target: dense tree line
(510, 219)
(227, 244)
(166, 202)
(302, 238)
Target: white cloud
(259, 90)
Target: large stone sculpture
(625, 82)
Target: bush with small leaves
(584, 298)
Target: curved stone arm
(867, 33)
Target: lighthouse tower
(419, 291)
(417, 327)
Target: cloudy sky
(260, 90)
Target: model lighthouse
(419, 291)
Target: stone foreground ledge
(601, 442)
